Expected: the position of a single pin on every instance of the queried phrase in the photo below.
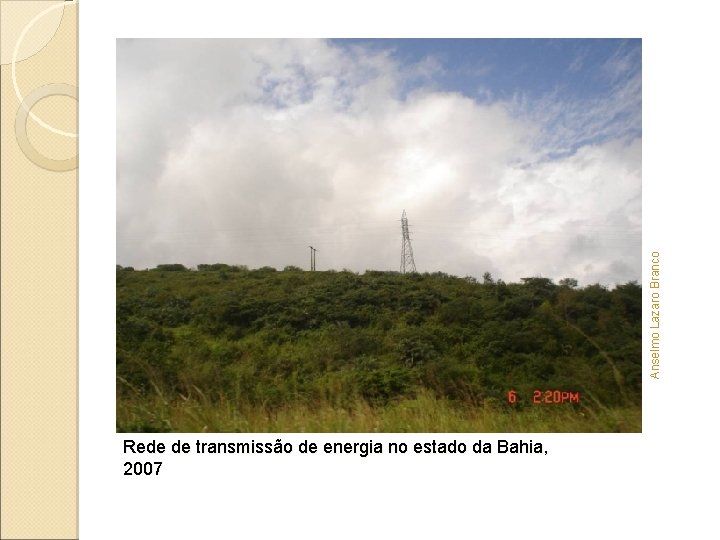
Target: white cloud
(247, 151)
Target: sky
(517, 157)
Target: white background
(662, 482)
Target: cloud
(578, 61)
(247, 151)
(623, 62)
(566, 125)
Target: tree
(175, 267)
(568, 282)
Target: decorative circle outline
(40, 93)
(14, 61)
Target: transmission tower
(407, 261)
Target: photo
(379, 235)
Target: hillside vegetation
(229, 349)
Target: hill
(229, 349)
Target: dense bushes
(272, 337)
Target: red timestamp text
(555, 396)
(547, 397)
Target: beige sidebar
(38, 356)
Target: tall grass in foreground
(423, 413)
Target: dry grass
(421, 414)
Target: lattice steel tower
(407, 261)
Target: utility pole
(407, 261)
(312, 258)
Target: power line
(351, 232)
